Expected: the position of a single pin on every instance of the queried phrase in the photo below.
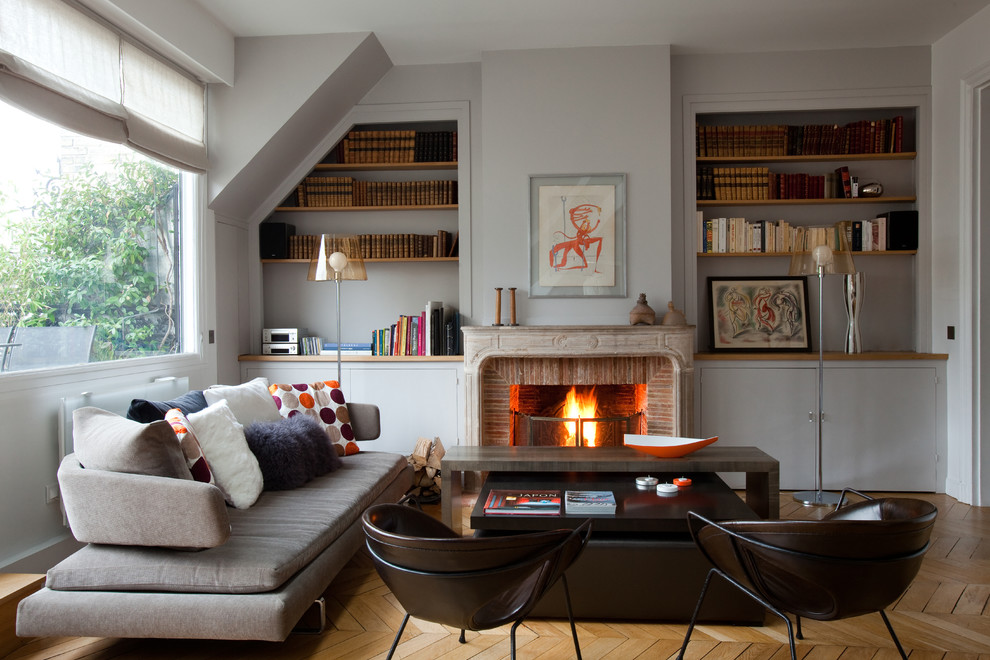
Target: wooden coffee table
(638, 510)
(640, 562)
(762, 471)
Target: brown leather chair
(858, 559)
(470, 583)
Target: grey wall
(574, 111)
(960, 65)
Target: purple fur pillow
(291, 451)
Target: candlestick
(498, 306)
(512, 306)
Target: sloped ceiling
(288, 94)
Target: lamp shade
(327, 255)
(827, 247)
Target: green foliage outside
(99, 250)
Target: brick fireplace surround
(497, 357)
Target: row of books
(738, 235)
(759, 183)
(345, 191)
(319, 346)
(547, 502)
(384, 246)
(860, 137)
(400, 146)
(434, 331)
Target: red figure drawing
(581, 217)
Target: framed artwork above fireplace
(577, 235)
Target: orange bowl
(663, 446)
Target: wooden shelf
(350, 358)
(397, 259)
(383, 167)
(855, 255)
(795, 202)
(825, 158)
(348, 209)
(830, 356)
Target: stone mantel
(484, 343)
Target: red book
(537, 502)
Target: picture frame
(764, 313)
(577, 236)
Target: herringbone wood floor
(944, 615)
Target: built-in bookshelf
(759, 176)
(347, 181)
(396, 187)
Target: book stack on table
(523, 503)
(589, 502)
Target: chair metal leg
(512, 639)
(395, 642)
(799, 635)
(461, 639)
(893, 635)
(765, 604)
(694, 617)
(570, 616)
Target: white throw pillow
(235, 468)
(250, 402)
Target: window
(89, 248)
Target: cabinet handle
(811, 416)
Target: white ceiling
(443, 31)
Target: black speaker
(902, 230)
(273, 239)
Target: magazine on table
(538, 502)
(589, 501)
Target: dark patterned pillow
(144, 411)
(291, 451)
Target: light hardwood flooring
(944, 615)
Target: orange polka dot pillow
(191, 448)
(324, 402)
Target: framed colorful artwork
(759, 314)
(577, 235)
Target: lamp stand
(336, 279)
(818, 497)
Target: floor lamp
(337, 258)
(820, 251)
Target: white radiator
(116, 401)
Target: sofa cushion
(250, 401)
(145, 411)
(234, 467)
(106, 441)
(324, 402)
(269, 543)
(291, 451)
(191, 449)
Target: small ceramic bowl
(663, 446)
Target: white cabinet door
(880, 428)
(763, 407)
(422, 399)
(415, 403)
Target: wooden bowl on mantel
(663, 446)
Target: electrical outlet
(51, 493)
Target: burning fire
(581, 406)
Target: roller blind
(61, 65)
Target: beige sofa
(277, 559)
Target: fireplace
(575, 415)
(645, 374)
